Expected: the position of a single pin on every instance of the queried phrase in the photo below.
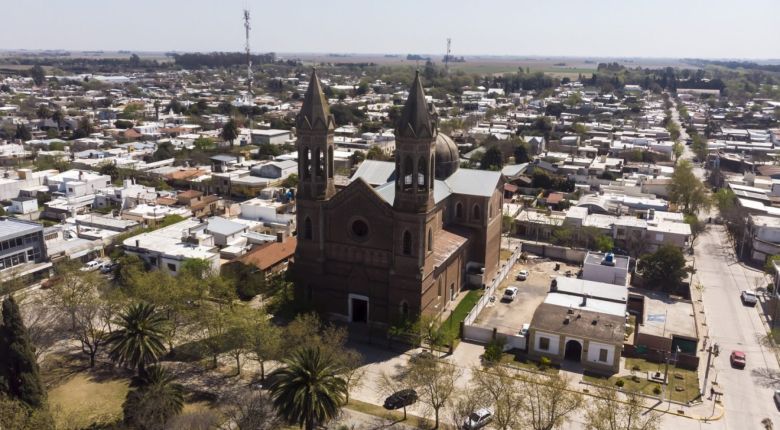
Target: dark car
(401, 399)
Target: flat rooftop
(596, 258)
(13, 227)
(592, 289)
(591, 305)
(581, 323)
(667, 317)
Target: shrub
(620, 383)
(657, 390)
(494, 350)
(544, 363)
(636, 368)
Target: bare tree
(503, 392)
(434, 381)
(548, 401)
(250, 410)
(466, 401)
(44, 322)
(608, 412)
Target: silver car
(478, 419)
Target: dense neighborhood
(189, 243)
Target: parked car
(524, 329)
(91, 266)
(522, 275)
(401, 399)
(737, 359)
(509, 294)
(108, 267)
(478, 419)
(749, 298)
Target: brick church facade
(382, 254)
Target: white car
(92, 265)
(524, 330)
(510, 294)
(522, 275)
(478, 419)
(749, 297)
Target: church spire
(315, 112)
(415, 119)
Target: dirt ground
(509, 317)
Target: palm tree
(310, 389)
(139, 339)
(57, 116)
(154, 401)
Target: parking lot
(509, 317)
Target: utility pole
(710, 351)
(447, 57)
(250, 97)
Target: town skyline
(609, 29)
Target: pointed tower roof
(315, 112)
(415, 117)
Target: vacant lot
(85, 399)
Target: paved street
(748, 395)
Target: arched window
(430, 239)
(317, 163)
(307, 233)
(422, 174)
(477, 212)
(458, 210)
(404, 310)
(330, 162)
(408, 172)
(439, 289)
(306, 163)
(407, 246)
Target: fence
(490, 288)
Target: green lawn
(687, 380)
(451, 326)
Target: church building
(378, 255)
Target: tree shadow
(765, 377)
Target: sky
(744, 29)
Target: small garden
(683, 383)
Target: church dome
(447, 157)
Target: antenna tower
(250, 96)
(447, 57)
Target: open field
(84, 400)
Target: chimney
(137, 243)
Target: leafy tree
(376, 153)
(139, 339)
(604, 243)
(521, 153)
(204, 143)
(57, 116)
(19, 374)
(548, 401)
(493, 159)
(699, 146)
(290, 181)
(38, 75)
(16, 415)
(154, 401)
(265, 340)
(23, 133)
(42, 112)
(309, 389)
(164, 151)
(230, 131)
(609, 412)
(686, 190)
(357, 157)
(84, 128)
(697, 227)
(664, 269)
